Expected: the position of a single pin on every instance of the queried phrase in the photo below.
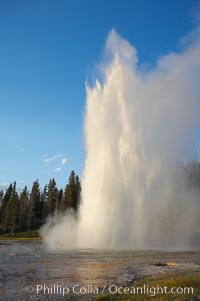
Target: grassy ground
(186, 279)
(26, 235)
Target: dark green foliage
(23, 209)
(5, 201)
(59, 200)
(1, 202)
(10, 209)
(44, 203)
(34, 212)
(52, 196)
(72, 192)
(28, 211)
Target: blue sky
(48, 48)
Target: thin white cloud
(57, 169)
(63, 161)
(58, 160)
(47, 160)
(58, 156)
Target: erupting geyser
(138, 126)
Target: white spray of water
(138, 126)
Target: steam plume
(138, 126)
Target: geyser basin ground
(27, 264)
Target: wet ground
(29, 272)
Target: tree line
(28, 210)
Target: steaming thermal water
(138, 126)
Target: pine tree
(5, 201)
(59, 200)
(52, 196)
(23, 209)
(34, 214)
(78, 192)
(72, 192)
(44, 204)
(1, 204)
(11, 209)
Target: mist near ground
(139, 126)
